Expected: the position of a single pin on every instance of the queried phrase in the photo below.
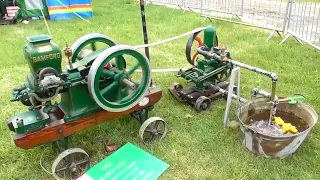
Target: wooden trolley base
(59, 129)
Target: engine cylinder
(209, 36)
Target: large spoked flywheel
(115, 88)
(93, 42)
(191, 49)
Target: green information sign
(127, 163)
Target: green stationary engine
(206, 71)
(95, 79)
(43, 58)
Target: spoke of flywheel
(119, 95)
(93, 46)
(123, 100)
(133, 68)
(107, 73)
(109, 88)
(120, 62)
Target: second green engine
(210, 69)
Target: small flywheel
(190, 55)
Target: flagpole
(144, 30)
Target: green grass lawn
(196, 147)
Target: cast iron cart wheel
(123, 92)
(153, 129)
(90, 39)
(203, 103)
(70, 164)
(191, 56)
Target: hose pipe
(204, 50)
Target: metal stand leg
(297, 39)
(272, 33)
(205, 18)
(235, 72)
(178, 6)
(286, 38)
(236, 16)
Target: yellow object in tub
(278, 121)
(286, 127)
